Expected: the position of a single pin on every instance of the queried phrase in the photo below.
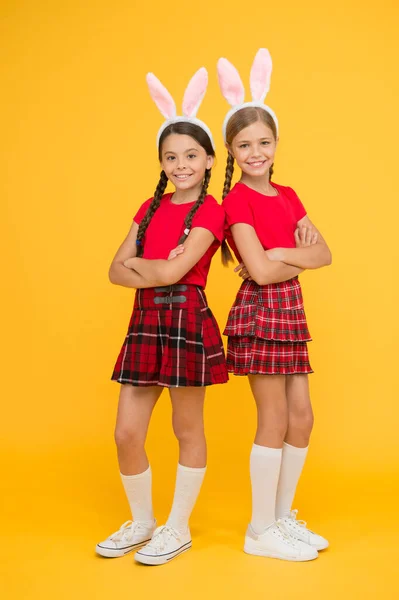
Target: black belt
(170, 298)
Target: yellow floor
(50, 533)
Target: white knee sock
(188, 485)
(265, 469)
(138, 490)
(291, 469)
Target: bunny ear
(230, 82)
(260, 75)
(161, 96)
(195, 92)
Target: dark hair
(241, 119)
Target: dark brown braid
(189, 218)
(271, 171)
(156, 201)
(226, 254)
(227, 257)
(229, 175)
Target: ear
(230, 82)
(161, 97)
(260, 75)
(195, 92)
(210, 160)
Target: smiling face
(254, 148)
(184, 161)
(251, 138)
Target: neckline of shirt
(274, 186)
(169, 199)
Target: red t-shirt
(167, 226)
(274, 218)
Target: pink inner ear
(195, 92)
(161, 96)
(230, 82)
(260, 75)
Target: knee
(301, 421)
(272, 426)
(128, 437)
(187, 432)
(277, 429)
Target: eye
(265, 143)
(243, 145)
(192, 156)
(170, 158)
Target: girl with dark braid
(173, 339)
(274, 241)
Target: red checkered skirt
(173, 340)
(267, 330)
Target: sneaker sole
(320, 546)
(116, 553)
(250, 548)
(147, 559)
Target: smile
(182, 177)
(256, 164)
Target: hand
(129, 263)
(242, 271)
(176, 251)
(305, 237)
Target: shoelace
(293, 514)
(285, 534)
(161, 536)
(125, 532)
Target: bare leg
(269, 392)
(188, 425)
(134, 412)
(300, 414)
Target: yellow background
(78, 157)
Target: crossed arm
(272, 266)
(119, 274)
(280, 264)
(130, 271)
(311, 256)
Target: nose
(181, 166)
(256, 152)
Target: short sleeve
(237, 209)
(140, 214)
(211, 216)
(299, 209)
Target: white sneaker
(275, 542)
(166, 544)
(130, 536)
(299, 530)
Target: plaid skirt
(173, 340)
(267, 330)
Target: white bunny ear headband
(192, 99)
(233, 89)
